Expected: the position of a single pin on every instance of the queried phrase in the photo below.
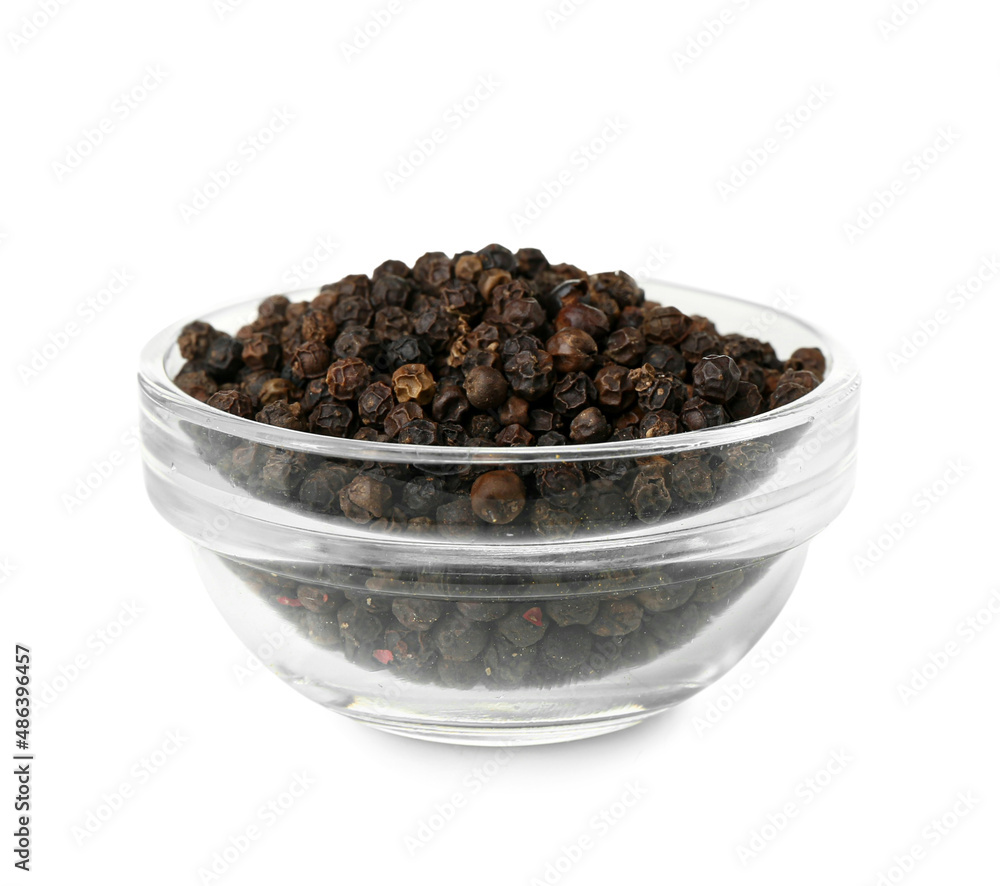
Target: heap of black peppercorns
(489, 349)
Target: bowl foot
(496, 735)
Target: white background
(223, 70)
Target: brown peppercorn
(666, 326)
(716, 378)
(468, 267)
(261, 351)
(275, 389)
(581, 316)
(318, 325)
(691, 479)
(485, 387)
(392, 322)
(809, 359)
(311, 359)
(374, 403)
(809, 380)
(572, 350)
(492, 278)
(365, 499)
(615, 391)
(347, 378)
(658, 390)
(562, 484)
(195, 339)
(514, 411)
(199, 385)
(282, 414)
(484, 426)
(787, 392)
(531, 374)
(650, 495)
(748, 402)
(699, 343)
(332, 419)
(658, 424)
(625, 346)
(590, 426)
(399, 416)
(413, 381)
(450, 403)
(698, 414)
(620, 286)
(498, 497)
(356, 341)
(515, 435)
(432, 270)
(234, 402)
(419, 432)
(353, 310)
(273, 307)
(572, 393)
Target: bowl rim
(841, 382)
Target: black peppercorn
(716, 378)
(459, 638)
(590, 426)
(234, 402)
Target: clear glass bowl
(575, 619)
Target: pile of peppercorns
(489, 349)
(503, 644)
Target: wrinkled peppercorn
(716, 378)
(413, 381)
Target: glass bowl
(576, 618)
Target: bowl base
(495, 735)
